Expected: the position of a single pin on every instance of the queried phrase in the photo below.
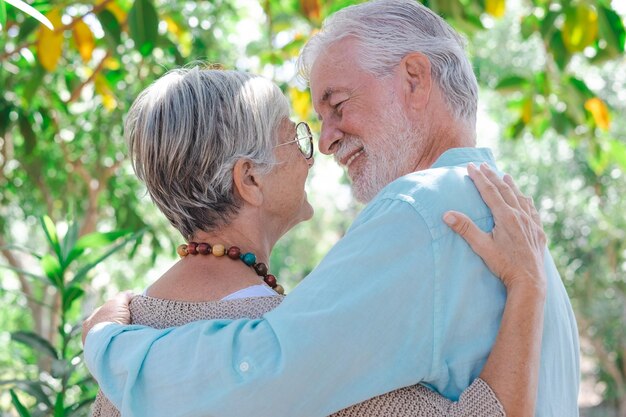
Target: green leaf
(19, 407)
(68, 243)
(82, 273)
(617, 150)
(111, 27)
(26, 28)
(70, 295)
(51, 233)
(530, 25)
(36, 342)
(5, 113)
(31, 87)
(99, 239)
(581, 86)
(21, 249)
(52, 268)
(59, 406)
(558, 50)
(511, 84)
(612, 29)
(30, 139)
(34, 388)
(94, 241)
(143, 23)
(3, 14)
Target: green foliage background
(75, 225)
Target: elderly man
(399, 299)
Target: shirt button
(244, 366)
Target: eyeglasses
(304, 139)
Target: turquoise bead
(249, 258)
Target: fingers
(502, 188)
(461, 224)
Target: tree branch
(77, 90)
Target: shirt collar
(463, 156)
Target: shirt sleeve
(361, 324)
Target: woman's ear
(247, 182)
(416, 79)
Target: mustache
(346, 146)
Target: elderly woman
(223, 162)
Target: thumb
(466, 228)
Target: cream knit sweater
(478, 400)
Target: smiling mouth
(352, 157)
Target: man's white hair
(388, 30)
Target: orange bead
(279, 289)
(182, 251)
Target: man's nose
(329, 136)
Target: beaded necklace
(249, 258)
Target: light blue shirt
(401, 299)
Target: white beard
(389, 155)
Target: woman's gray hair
(186, 131)
(388, 30)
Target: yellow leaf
(496, 8)
(102, 88)
(50, 43)
(527, 110)
(84, 39)
(112, 63)
(172, 26)
(580, 28)
(311, 9)
(301, 102)
(600, 112)
(118, 12)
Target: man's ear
(416, 80)
(247, 182)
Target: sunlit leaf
(51, 234)
(52, 268)
(3, 14)
(301, 103)
(527, 110)
(29, 10)
(36, 342)
(600, 112)
(496, 8)
(617, 151)
(50, 43)
(580, 28)
(143, 23)
(85, 41)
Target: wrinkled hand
(115, 310)
(514, 249)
